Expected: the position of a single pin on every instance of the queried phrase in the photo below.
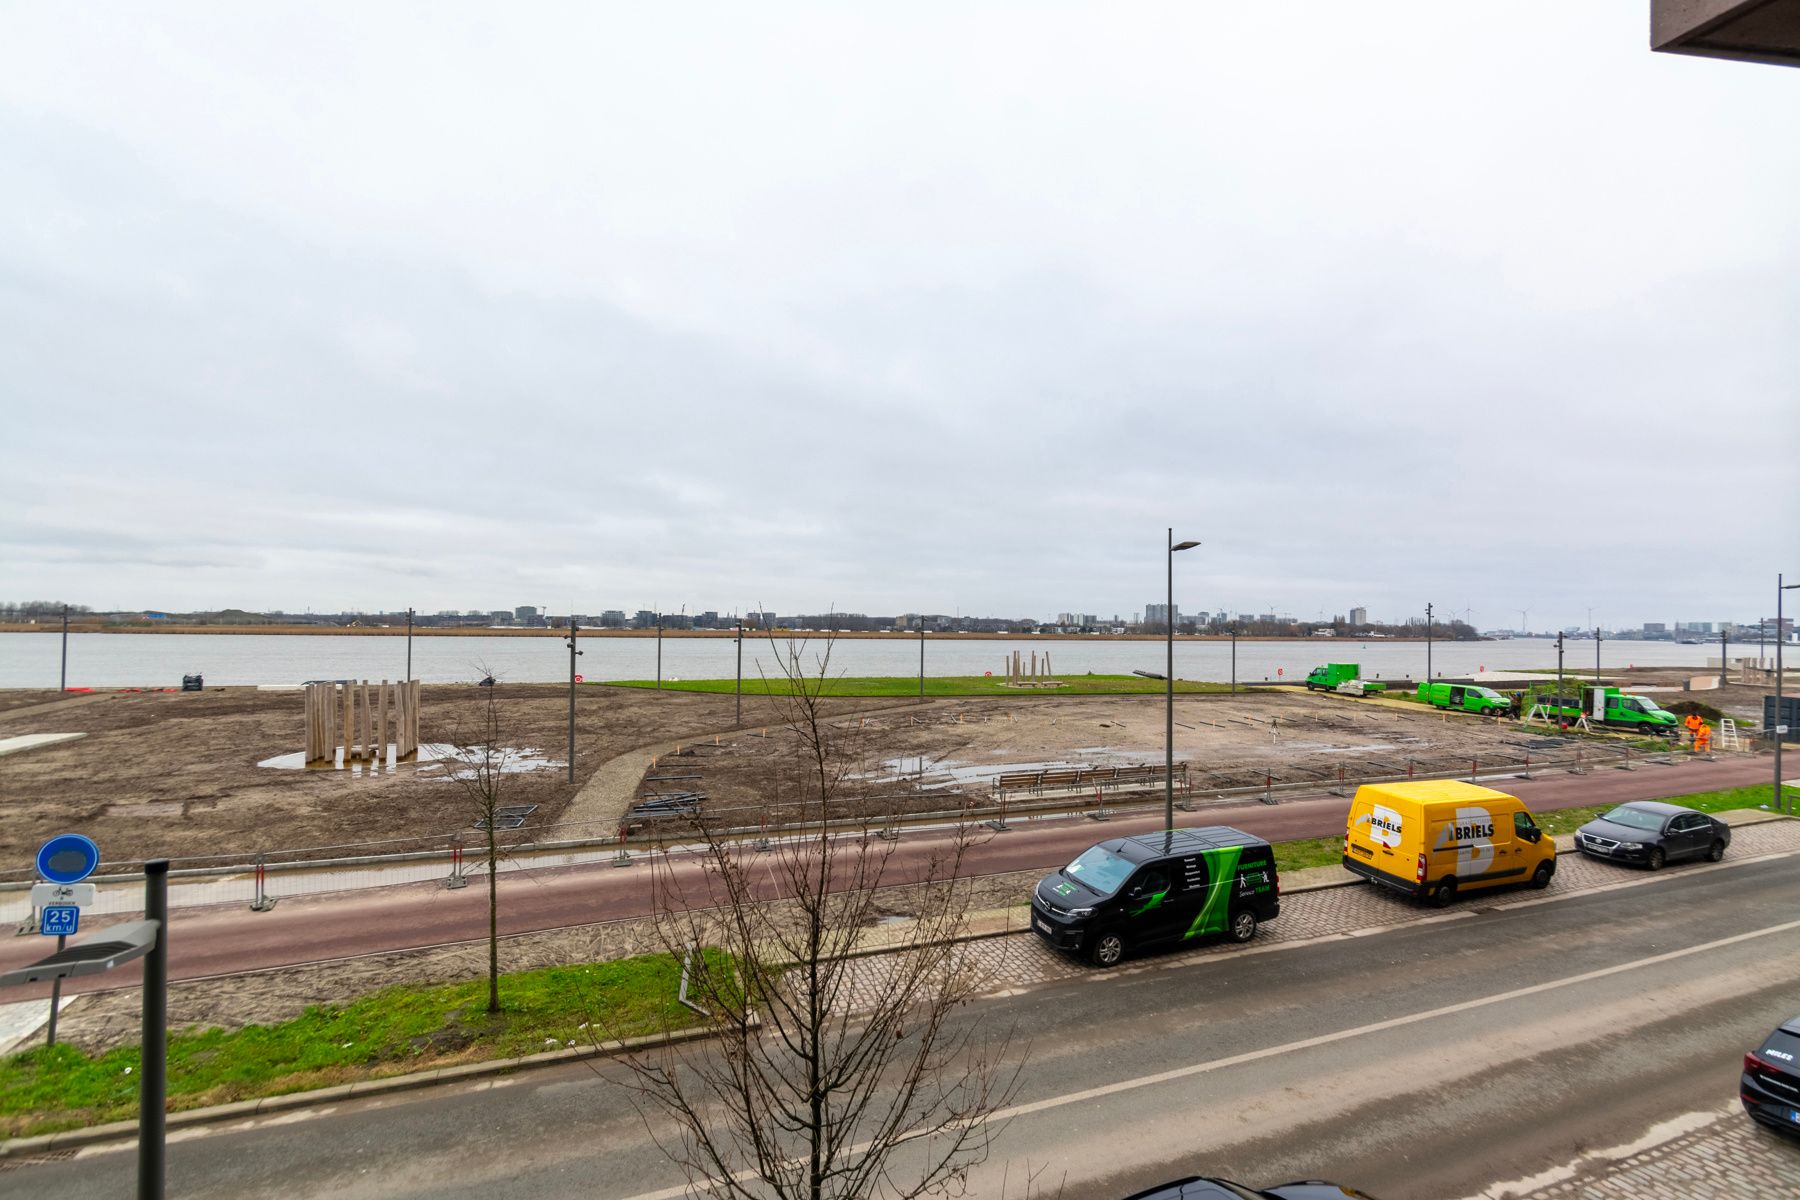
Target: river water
(160, 660)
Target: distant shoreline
(586, 632)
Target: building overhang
(1764, 31)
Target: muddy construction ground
(178, 774)
(948, 754)
(184, 776)
(181, 775)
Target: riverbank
(587, 632)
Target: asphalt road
(222, 940)
(1421, 1062)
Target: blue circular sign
(67, 858)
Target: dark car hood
(1601, 827)
(1316, 1189)
(1059, 890)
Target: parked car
(1653, 833)
(1195, 1187)
(1770, 1088)
(1158, 887)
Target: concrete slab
(31, 741)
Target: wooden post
(312, 724)
(367, 728)
(381, 723)
(349, 730)
(401, 691)
(406, 735)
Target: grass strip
(391, 1032)
(937, 685)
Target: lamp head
(1191, 545)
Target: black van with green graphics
(1174, 886)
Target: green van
(1465, 697)
(1167, 887)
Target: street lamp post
(1428, 643)
(574, 632)
(738, 718)
(921, 658)
(1169, 731)
(64, 685)
(1780, 637)
(153, 1075)
(659, 648)
(1234, 633)
(1596, 656)
(1559, 678)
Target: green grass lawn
(937, 685)
(1329, 851)
(390, 1032)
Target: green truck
(1465, 697)
(1614, 709)
(1341, 677)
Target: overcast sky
(889, 308)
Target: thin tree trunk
(493, 922)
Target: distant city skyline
(1152, 615)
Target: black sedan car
(1770, 1088)
(1653, 833)
(1197, 1188)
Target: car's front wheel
(1540, 878)
(1107, 950)
(1243, 925)
(1716, 851)
(1656, 858)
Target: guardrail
(450, 859)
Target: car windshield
(1100, 870)
(1486, 693)
(1634, 818)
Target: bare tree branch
(832, 1074)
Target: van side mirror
(1534, 834)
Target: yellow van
(1436, 837)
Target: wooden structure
(348, 721)
(1019, 674)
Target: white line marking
(1236, 1060)
(1113, 1089)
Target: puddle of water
(385, 762)
(1322, 748)
(511, 760)
(508, 760)
(950, 772)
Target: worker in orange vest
(1703, 739)
(1693, 724)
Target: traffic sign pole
(63, 861)
(55, 994)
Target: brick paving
(1729, 1158)
(1020, 960)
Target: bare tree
(480, 762)
(831, 1073)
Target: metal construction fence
(451, 859)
